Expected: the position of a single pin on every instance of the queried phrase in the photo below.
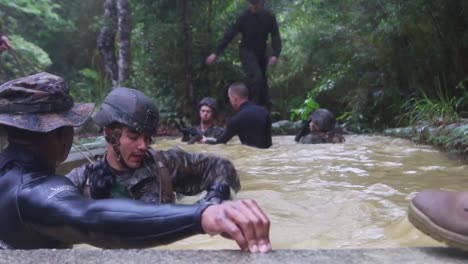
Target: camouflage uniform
(316, 137)
(189, 173)
(196, 133)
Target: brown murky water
(350, 195)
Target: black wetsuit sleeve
(230, 131)
(275, 38)
(229, 34)
(52, 206)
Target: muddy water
(350, 195)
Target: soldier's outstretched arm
(193, 173)
(52, 206)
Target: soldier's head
(238, 93)
(256, 5)
(207, 110)
(322, 120)
(130, 119)
(38, 113)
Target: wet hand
(242, 221)
(211, 59)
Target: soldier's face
(312, 126)
(255, 7)
(234, 100)
(65, 136)
(133, 146)
(206, 114)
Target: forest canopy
(374, 63)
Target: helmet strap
(114, 140)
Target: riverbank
(452, 138)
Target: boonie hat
(40, 103)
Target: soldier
(251, 122)
(207, 111)
(255, 25)
(40, 209)
(321, 129)
(131, 169)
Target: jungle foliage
(376, 63)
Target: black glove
(194, 138)
(305, 129)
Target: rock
(285, 127)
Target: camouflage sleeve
(192, 173)
(78, 177)
(81, 176)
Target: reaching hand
(272, 61)
(242, 221)
(211, 59)
(203, 140)
(4, 43)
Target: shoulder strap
(166, 193)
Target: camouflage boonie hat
(40, 103)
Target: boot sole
(425, 225)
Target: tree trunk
(106, 41)
(189, 89)
(124, 28)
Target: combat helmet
(210, 102)
(129, 107)
(323, 119)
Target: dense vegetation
(375, 63)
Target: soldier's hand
(4, 43)
(242, 221)
(203, 140)
(272, 61)
(211, 59)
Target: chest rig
(151, 182)
(163, 177)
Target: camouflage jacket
(189, 174)
(320, 138)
